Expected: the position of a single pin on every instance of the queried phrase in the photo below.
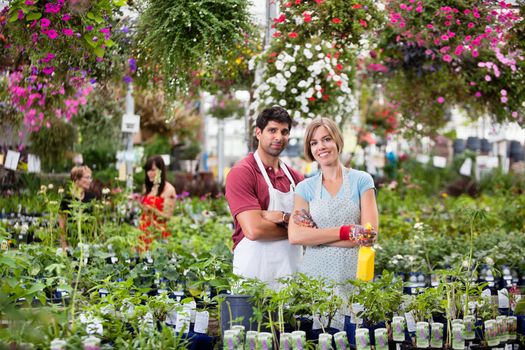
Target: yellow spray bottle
(365, 261)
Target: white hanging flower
(293, 90)
(287, 74)
(279, 65)
(282, 102)
(308, 45)
(293, 69)
(308, 54)
(106, 190)
(302, 83)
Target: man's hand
(276, 216)
(304, 219)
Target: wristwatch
(285, 218)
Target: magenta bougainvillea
(437, 54)
(53, 48)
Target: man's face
(273, 139)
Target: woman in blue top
(332, 208)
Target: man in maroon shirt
(259, 190)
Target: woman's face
(152, 173)
(85, 181)
(323, 147)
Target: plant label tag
(192, 307)
(316, 324)
(33, 163)
(486, 293)
(183, 321)
(11, 160)
(466, 168)
(355, 309)
(508, 347)
(503, 299)
(122, 172)
(171, 317)
(439, 162)
(411, 322)
(202, 320)
(422, 158)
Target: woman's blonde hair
(333, 131)
(78, 171)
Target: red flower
(363, 23)
(298, 2)
(280, 19)
(292, 35)
(336, 20)
(319, 2)
(276, 34)
(288, 4)
(311, 99)
(357, 6)
(339, 66)
(325, 97)
(307, 17)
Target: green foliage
(180, 35)
(156, 146)
(53, 144)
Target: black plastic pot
(515, 151)
(521, 325)
(485, 146)
(236, 310)
(473, 143)
(458, 146)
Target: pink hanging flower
(52, 34)
(440, 99)
(44, 23)
(447, 58)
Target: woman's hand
(304, 219)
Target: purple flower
(127, 79)
(48, 57)
(20, 14)
(89, 28)
(132, 65)
(95, 39)
(125, 30)
(44, 23)
(67, 31)
(29, 2)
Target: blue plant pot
(521, 325)
(350, 328)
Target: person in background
(81, 176)
(259, 191)
(158, 201)
(332, 208)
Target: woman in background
(81, 176)
(158, 201)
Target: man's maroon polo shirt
(247, 190)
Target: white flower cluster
(300, 74)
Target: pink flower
(52, 34)
(29, 3)
(503, 92)
(447, 58)
(504, 99)
(68, 31)
(444, 37)
(472, 83)
(478, 94)
(459, 50)
(292, 35)
(440, 99)
(466, 12)
(44, 23)
(66, 17)
(470, 25)
(475, 53)
(52, 8)
(430, 26)
(488, 78)
(467, 38)
(514, 114)
(20, 14)
(48, 70)
(89, 28)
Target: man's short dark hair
(277, 114)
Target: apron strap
(265, 175)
